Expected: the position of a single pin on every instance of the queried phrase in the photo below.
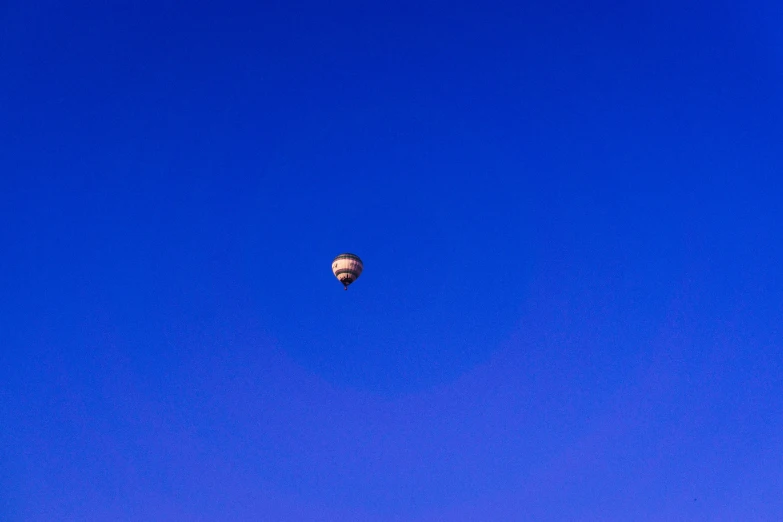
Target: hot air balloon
(347, 268)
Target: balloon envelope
(347, 268)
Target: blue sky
(569, 215)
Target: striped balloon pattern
(347, 268)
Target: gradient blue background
(570, 217)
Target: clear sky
(569, 215)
